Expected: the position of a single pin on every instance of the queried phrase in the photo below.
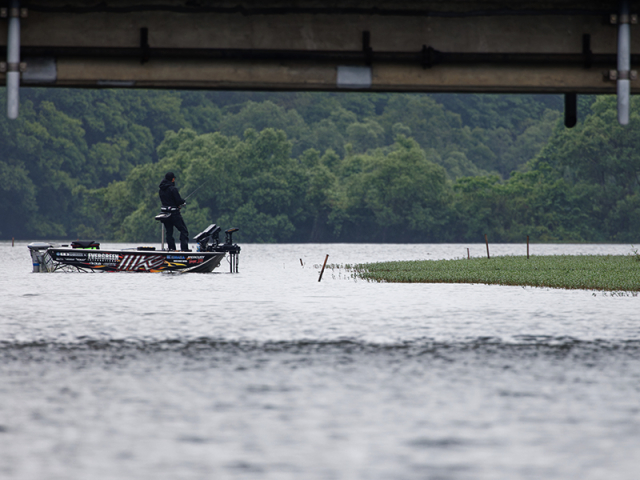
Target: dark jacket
(169, 194)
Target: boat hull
(132, 260)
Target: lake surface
(269, 374)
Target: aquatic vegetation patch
(592, 272)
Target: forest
(320, 167)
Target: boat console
(209, 238)
(209, 241)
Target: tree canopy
(298, 167)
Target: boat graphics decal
(140, 262)
(119, 261)
(104, 257)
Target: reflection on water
(270, 374)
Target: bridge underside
(404, 46)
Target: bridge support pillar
(13, 60)
(624, 63)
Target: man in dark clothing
(171, 203)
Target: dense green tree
(399, 196)
(320, 166)
(601, 157)
(583, 186)
(18, 200)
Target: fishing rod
(201, 185)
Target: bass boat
(87, 256)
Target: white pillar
(624, 63)
(13, 61)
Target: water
(269, 374)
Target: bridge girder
(403, 46)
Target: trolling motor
(228, 236)
(231, 248)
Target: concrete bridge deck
(399, 46)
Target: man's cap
(169, 176)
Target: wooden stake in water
(301, 264)
(13, 241)
(486, 240)
(468, 255)
(325, 264)
(527, 247)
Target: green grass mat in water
(592, 272)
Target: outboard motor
(39, 256)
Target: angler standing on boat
(171, 203)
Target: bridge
(486, 46)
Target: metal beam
(532, 46)
(427, 57)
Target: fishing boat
(87, 256)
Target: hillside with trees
(319, 167)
